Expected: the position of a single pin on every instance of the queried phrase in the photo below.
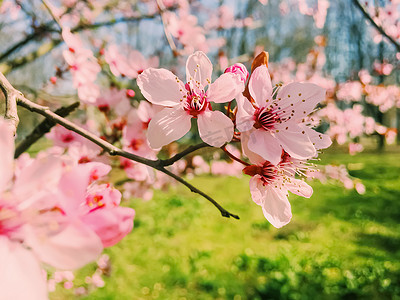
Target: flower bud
(240, 70)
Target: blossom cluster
(273, 124)
(53, 212)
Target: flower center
(67, 138)
(267, 171)
(135, 144)
(196, 102)
(266, 118)
(9, 220)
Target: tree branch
(46, 28)
(107, 147)
(379, 28)
(38, 33)
(178, 156)
(11, 96)
(168, 34)
(43, 128)
(20, 61)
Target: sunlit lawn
(339, 244)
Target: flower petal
(43, 174)
(111, 224)
(21, 276)
(295, 141)
(276, 207)
(260, 86)
(72, 248)
(303, 96)
(199, 68)
(245, 114)
(319, 140)
(6, 154)
(160, 86)
(257, 190)
(73, 186)
(253, 157)
(264, 144)
(299, 187)
(225, 88)
(169, 125)
(215, 128)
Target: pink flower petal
(160, 86)
(303, 96)
(199, 68)
(6, 154)
(111, 225)
(225, 88)
(168, 125)
(257, 190)
(73, 185)
(295, 141)
(215, 128)
(245, 114)
(260, 86)
(319, 140)
(264, 144)
(43, 174)
(299, 187)
(253, 157)
(276, 207)
(21, 276)
(72, 248)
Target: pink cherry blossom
(139, 190)
(83, 66)
(183, 102)
(240, 70)
(129, 64)
(223, 18)
(63, 137)
(350, 91)
(391, 135)
(108, 220)
(270, 184)
(184, 28)
(110, 98)
(355, 148)
(273, 124)
(32, 230)
(10, 8)
(200, 166)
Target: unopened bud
(240, 70)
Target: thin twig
(46, 28)
(107, 147)
(379, 28)
(168, 34)
(20, 61)
(233, 157)
(47, 47)
(52, 13)
(224, 213)
(42, 129)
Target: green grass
(339, 244)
